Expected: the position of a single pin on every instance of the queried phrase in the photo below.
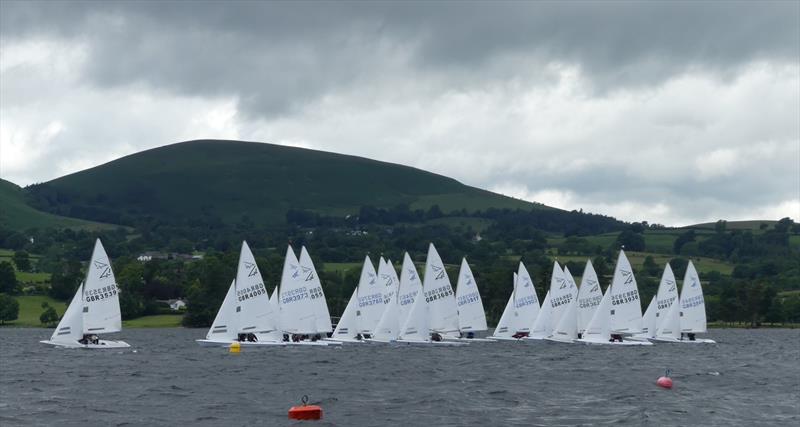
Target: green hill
(212, 179)
(16, 214)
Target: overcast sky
(673, 112)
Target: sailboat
(321, 314)
(526, 302)
(298, 311)
(397, 312)
(471, 317)
(614, 315)
(370, 299)
(543, 325)
(416, 329)
(439, 296)
(589, 296)
(567, 328)
(666, 295)
(347, 330)
(94, 309)
(246, 314)
(687, 315)
(505, 329)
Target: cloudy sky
(673, 112)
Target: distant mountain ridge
(228, 180)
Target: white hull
(613, 343)
(319, 343)
(217, 343)
(560, 340)
(76, 344)
(504, 339)
(435, 343)
(462, 339)
(337, 341)
(686, 341)
(534, 338)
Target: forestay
(370, 298)
(70, 328)
(626, 311)
(101, 312)
(471, 316)
(346, 329)
(505, 327)
(318, 300)
(439, 295)
(225, 326)
(589, 296)
(526, 303)
(567, 327)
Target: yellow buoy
(235, 347)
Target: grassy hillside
(16, 214)
(209, 179)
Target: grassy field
(30, 308)
(342, 267)
(156, 321)
(703, 265)
(477, 224)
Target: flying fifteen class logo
(309, 273)
(627, 275)
(563, 283)
(412, 275)
(252, 268)
(438, 272)
(296, 272)
(105, 270)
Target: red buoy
(305, 412)
(665, 381)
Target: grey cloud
(276, 57)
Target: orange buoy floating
(305, 411)
(665, 381)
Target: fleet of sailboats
(406, 310)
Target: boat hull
(504, 339)
(342, 341)
(468, 340)
(673, 340)
(560, 340)
(103, 344)
(589, 342)
(430, 343)
(215, 343)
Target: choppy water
(749, 378)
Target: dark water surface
(749, 378)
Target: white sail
(318, 300)
(347, 328)
(541, 326)
(388, 328)
(599, 328)
(693, 306)
(626, 312)
(649, 326)
(439, 295)
(562, 293)
(505, 327)
(667, 294)
(410, 288)
(670, 326)
(225, 326)
(370, 298)
(101, 312)
(567, 327)
(297, 314)
(70, 328)
(526, 303)
(256, 314)
(416, 327)
(471, 316)
(387, 277)
(589, 296)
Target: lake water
(749, 378)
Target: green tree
(630, 240)
(9, 308)
(49, 316)
(8, 279)
(650, 267)
(22, 261)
